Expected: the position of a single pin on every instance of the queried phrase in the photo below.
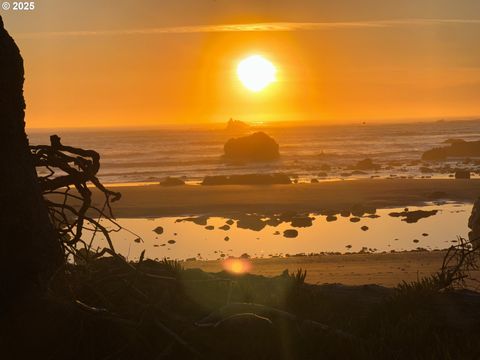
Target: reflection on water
(218, 238)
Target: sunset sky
(148, 62)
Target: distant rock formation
(367, 164)
(236, 125)
(247, 179)
(456, 149)
(255, 147)
(172, 181)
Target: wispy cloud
(257, 27)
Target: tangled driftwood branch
(70, 175)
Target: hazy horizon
(156, 63)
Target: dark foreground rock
(256, 147)
(456, 149)
(247, 179)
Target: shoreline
(385, 269)
(150, 201)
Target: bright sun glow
(237, 266)
(256, 72)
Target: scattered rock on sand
(424, 234)
(247, 179)
(230, 222)
(414, 216)
(364, 228)
(171, 242)
(158, 230)
(224, 227)
(226, 238)
(331, 218)
(305, 221)
(367, 164)
(314, 181)
(359, 172)
(288, 216)
(416, 241)
(210, 227)
(290, 233)
(172, 181)
(199, 220)
(360, 210)
(252, 222)
(462, 174)
(255, 147)
(354, 219)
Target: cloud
(257, 27)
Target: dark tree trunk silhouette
(29, 249)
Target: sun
(256, 73)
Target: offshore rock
(255, 147)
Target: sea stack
(255, 147)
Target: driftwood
(70, 175)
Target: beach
(349, 269)
(386, 268)
(156, 201)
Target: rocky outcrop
(236, 126)
(366, 164)
(247, 179)
(456, 149)
(413, 216)
(462, 174)
(172, 181)
(255, 147)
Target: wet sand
(156, 200)
(384, 269)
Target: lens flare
(237, 266)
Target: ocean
(149, 155)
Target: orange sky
(129, 63)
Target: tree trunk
(29, 249)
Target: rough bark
(29, 249)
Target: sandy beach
(156, 200)
(386, 269)
(352, 269)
